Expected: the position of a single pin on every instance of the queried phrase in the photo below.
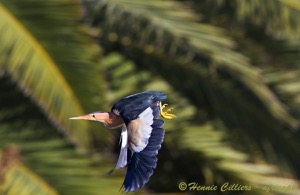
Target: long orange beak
(83, 117)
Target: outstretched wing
(135, 135)
(145, 136)
(141, 136)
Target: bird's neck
(113, 121)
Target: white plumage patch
(117, 112)
(135, 136)
(122, 161)
(139, 130)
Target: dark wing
(135, 134)
(141, 163)
(141, 136)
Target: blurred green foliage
(229, 68)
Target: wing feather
(122, 160)
(141, 137)
(140, 130)
(141, 164)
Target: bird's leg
(165, 114)
(122, 189)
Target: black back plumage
(131, 106)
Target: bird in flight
(141, 137)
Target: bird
(141, 135)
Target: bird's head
(102, 117)
(109, 119)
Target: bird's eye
(93, 116)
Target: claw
(165, 114)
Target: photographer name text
(194, 186)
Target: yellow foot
(166, 114)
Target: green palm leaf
(33, 61)
(236, 114)
(235, 164)
(279, 16)
(41, 157)
(20, 180)
(169, 32)
(218, 80)
(220, 162)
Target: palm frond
(18, 179)
(207, 141)
(286, 84)
(31, 55)
(56, 163)
(46, 153)
(220, 162)
(221, 83)
(168, 31)
(277, 18)
(122, 76)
